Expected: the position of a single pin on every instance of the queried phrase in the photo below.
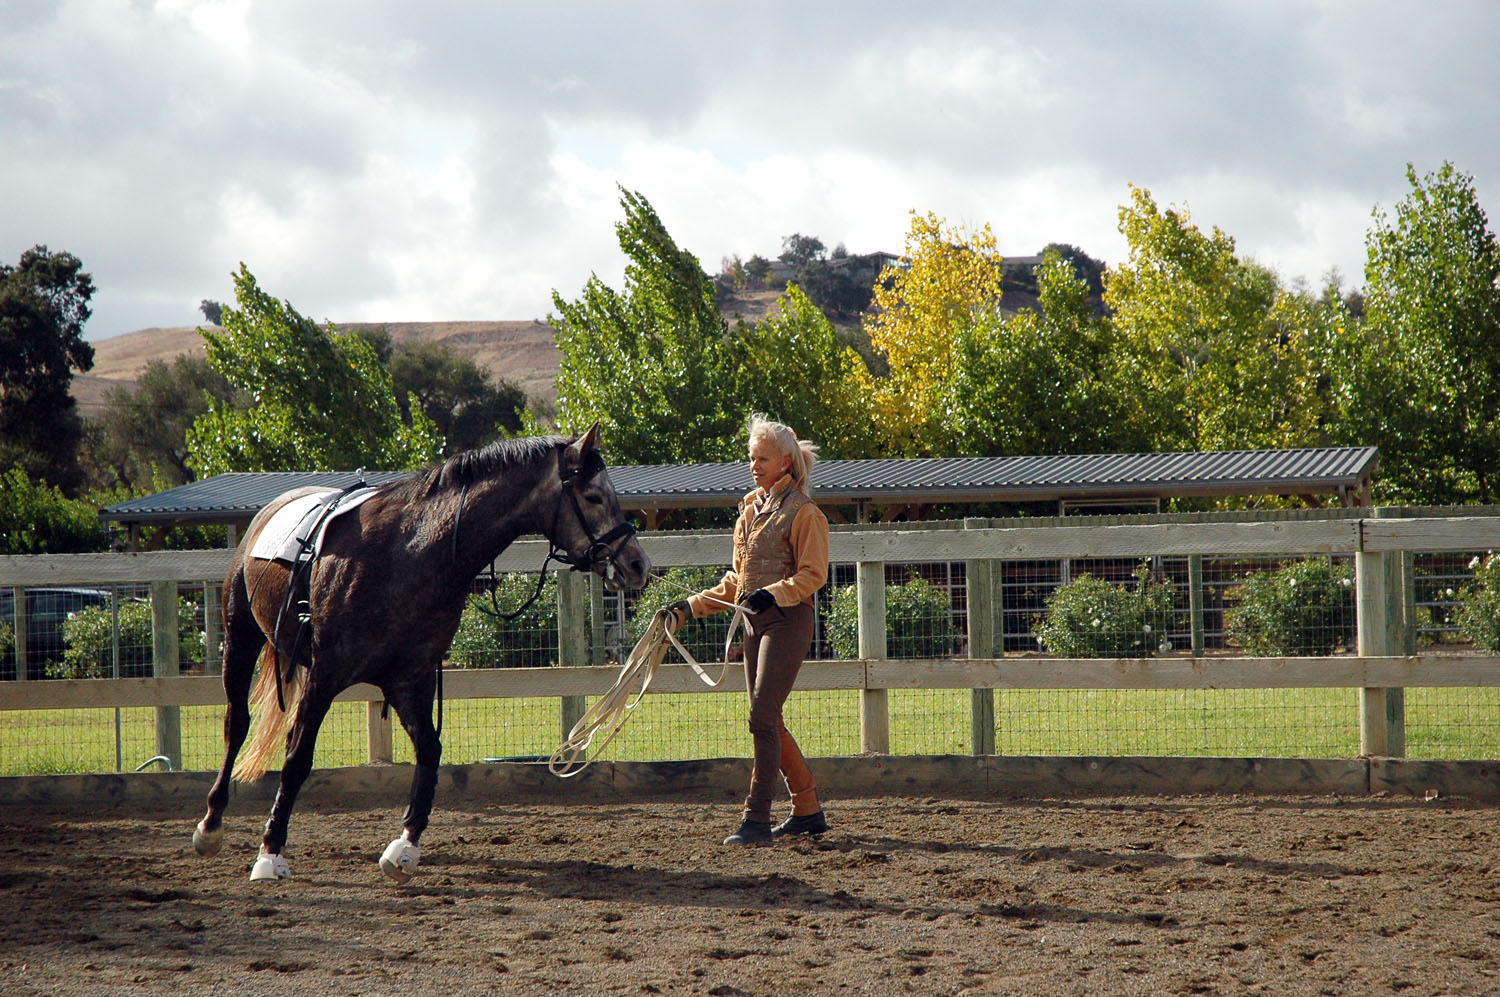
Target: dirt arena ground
(1212, 895)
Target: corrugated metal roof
(236, 496)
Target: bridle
(601, 549)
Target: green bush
(528, 641)
(88, 641)
(1479, 612)
(1092, 618)
(7, 640)
(704, 637)
(1304, 608)
(918, 621)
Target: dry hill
(522, 353)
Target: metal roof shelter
(856, 490)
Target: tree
(142, 436)
(44, 303)
(460, 398)
(320, 399)
(649, 362)
(212, 311)
(1423, 383)
(1198, 328)
(947, 281)
(792, 367)
(36, 518)
(799, 250)
(1044, 381)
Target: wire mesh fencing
(1075, 608)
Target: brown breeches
(776, 641)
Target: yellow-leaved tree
(947, 279)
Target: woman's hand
(678, 613)
(758, 601)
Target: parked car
(46, 610)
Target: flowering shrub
(918, 621)
(528, 641)
(1479, 610)
(1092, 618)
(88, 641)
(1304, 608)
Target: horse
(380, 603)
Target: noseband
(600, 549)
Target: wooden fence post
(572, 639)
(213, 630)
(1380, 593)
(979, 578)
(378, 737)
(1195, 604)
(874, 707)
(166, 661)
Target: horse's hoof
(400, 859)
(207, 843)
(270, 867)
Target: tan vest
(763, 546)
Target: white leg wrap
(400, 860)
(207, 843)
(270, 867)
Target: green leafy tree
(649, 362)
(460, 398)
(1424, 382)
(44, 303)
(793, 367)
(1196, 329)
(484, 640)
(320, 400)
(1479, 604)
(37, 518)
(1043, 381)
(141, 440)
(89, 641)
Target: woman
(780, 560)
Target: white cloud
(383, 160)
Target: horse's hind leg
(243, 643)
(294, 772)
(414, 707)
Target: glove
(680, 613)
(758, 601)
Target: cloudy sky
(385, 160)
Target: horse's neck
(497, 510)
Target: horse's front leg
(413, 705)
(300, 742)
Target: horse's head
(590, 528)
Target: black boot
(750, 832)
(806, 824)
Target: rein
(613, 708)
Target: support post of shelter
(874, 708)
(19, 603)
(572, 639)
(166, 661)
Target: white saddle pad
(286, 533)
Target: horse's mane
(473, 465)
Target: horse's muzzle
(627, 569)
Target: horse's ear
(590, 440)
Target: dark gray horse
(380, 604)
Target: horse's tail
(270, 721)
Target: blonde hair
(804, 453)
